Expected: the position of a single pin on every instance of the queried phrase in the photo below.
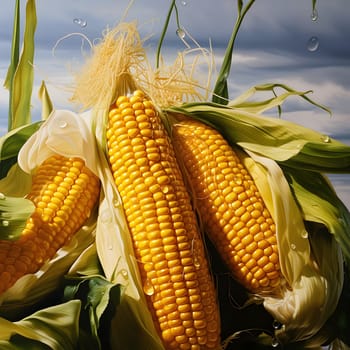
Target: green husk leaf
(16, 183)
(258, 107)
(21, 84)
(87, 264)
(275, 138)
(46, 103)
(99, 299)
(52, 328)
(320, 203)
(11, 143)
(14, 213)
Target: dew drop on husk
(124, 273)
(325, 139)
(2, 196)
(62, 124)
(313, 44)
(305, 234)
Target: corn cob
(168, 247)
(64, 192)
(230, 206)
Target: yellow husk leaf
(116, 254)
(315, 283)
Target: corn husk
(292, 146)
(121, 51)
(67, 134)
(286, 142)
(115, 252)
(55, 327)
(313, 284)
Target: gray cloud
(271, 46)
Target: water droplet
(314, 15)
(85, 228)
(304, 234)
(325, 139)
(196, 262)
(293, 246)
(148, 288)
(183, 2)
(276, 324)
(62, 124)
(275, 343)
(165, 189)
(238, 180)
(5, 223)
(105, 217)
(116, 203)
(341, 221)
(124, 273)
(180, 33)
(2, 196)
(80, 22)
(313, 44)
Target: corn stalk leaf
(286, 142)
(21, 75)
(46, 103)
(14, 58)
(220, 94)
(52, 328)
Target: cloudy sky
(272, 46)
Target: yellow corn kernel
(167, 243)
(244, 232)
(58, 215)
